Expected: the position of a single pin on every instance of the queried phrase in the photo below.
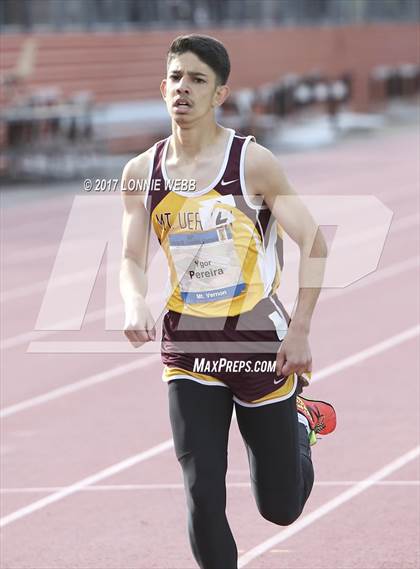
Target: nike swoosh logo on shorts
(230, 182)
(276, 381)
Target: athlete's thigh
(270, 434)
(200, 418)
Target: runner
(218, 203)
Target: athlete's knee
(204, 485)
(279, 510)
(206, 498)
(281, 517)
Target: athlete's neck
(190, 142)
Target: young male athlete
(226, 339)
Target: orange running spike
(321, 416)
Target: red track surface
(54, 444)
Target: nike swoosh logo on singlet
(230, 182)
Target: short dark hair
(210, 50)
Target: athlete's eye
(198, 80)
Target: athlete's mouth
(182, 103)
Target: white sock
(302, 419)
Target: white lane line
(77, 486)
(26, 337)
(88, 347)
(127, 463)
(94, 379)
(77, 347)
(116, 371)
(36, 335)
(34, 254)
(374, 350)
(41, 286)
(67, 324)
(401, 224)
(180, 486)
(48, 250)
(373, 278)
(328, 507)
(101, 347)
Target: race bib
(207, 265)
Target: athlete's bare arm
(139, 325)
(264, 176)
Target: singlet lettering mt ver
(224, 253)
(225, 257)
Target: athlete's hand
(139, 326)
(294, 355)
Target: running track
(89, 477)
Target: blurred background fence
(80, 79)
(47, 15)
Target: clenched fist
(139, 325)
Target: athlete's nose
(183, 86)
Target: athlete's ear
(163, 88)
(221, 94)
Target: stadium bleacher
(103, 84)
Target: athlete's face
(190, 89)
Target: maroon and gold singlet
(224, 324)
